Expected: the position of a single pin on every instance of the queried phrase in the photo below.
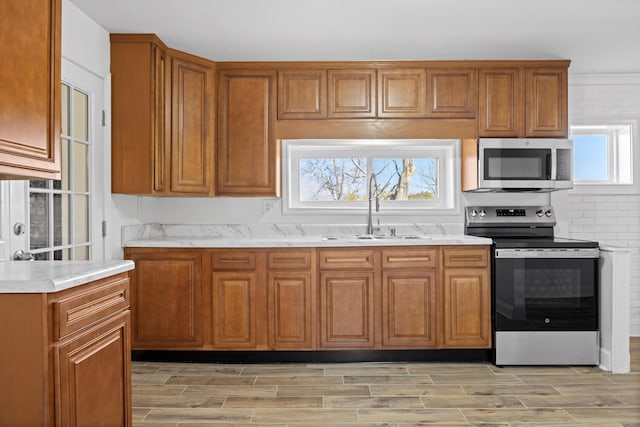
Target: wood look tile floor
(383, 395)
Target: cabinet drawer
(289, 260)
(233, 260)
(345, 259)
(475, 257)
(85, 307)
(409, 258)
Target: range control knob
(548, 212)
(539, 212)
(473, 213)
(483, 213)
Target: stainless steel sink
(377, 237)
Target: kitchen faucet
(373, 186)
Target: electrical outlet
(268, 204)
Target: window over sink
(334, 176)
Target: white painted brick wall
(611, 219)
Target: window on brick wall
(604, 156)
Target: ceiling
(597, 36)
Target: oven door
(546, 289)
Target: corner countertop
(53, 276)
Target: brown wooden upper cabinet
(402, 93)
(546, 102)
(302, 94)
(523, 102)
(352, 93)
(163, 119)
(499, 94)
(30, 94)
(452, 93)
(248, 156)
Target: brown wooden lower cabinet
(68, 356)
(415, 297)
(347, 309)
(234, 310)
(466, 298)
(409, 310)
(166, 298)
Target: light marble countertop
(302, 241)
(290, 235)
(53, 276)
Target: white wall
(607, 217)
(86, 44)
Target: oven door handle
(547, 253)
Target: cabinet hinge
(104, 228)
(104, 119)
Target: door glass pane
(64, 95)
(62, 255)
(81, 253)
(63, 183)
(80, 167)
(80, 219)
(80, 115)
(43, 256)
(39, 220)
(61, 219)
(38, 184)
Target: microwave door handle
(554, 164)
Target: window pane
(81, 253)
(64, 111)
(44, 256)
(590, 158)
(61, 219)
(406, 178)
(38, 220)
(63, 183)
(62, 255)
(333, 179)
(80, 167)
(80, 115)
(80, 219)
(38, 184)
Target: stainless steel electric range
(544, 288)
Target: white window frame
(612, 185)
(447, 151)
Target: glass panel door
(59, 209)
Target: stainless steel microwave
(524, 164)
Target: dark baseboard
(335, 356)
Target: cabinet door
(346, 309)
(140, 119)
(409, 309)
(291, 302)
(546, 102)
(352, 94)
(302, 94)
(452, 93)
(467, 308)
(192, 126)
(166, 299)
(402, 93)
(501, 103)
(93, 376)
(30, 94)
(248, 156)
(234, 310)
